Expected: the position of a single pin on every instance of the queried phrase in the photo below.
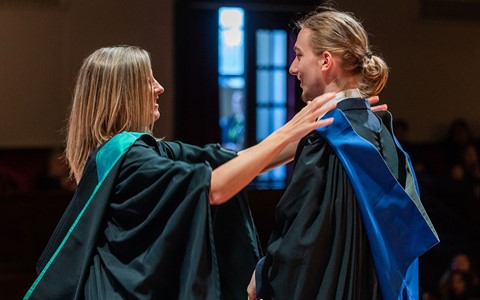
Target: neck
(342, 83)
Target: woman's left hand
(374, 100)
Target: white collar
(340, 96)
(351, 93)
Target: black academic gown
(319, 247)
(141, 227)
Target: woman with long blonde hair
(141, 224)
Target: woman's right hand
(307, 120)
(287, 154)
(229, 178)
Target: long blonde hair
(111, 95)
(343, 35)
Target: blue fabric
(397, 226)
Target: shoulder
(144, 149)
(386, 117)
(312, 144)
(313, 138)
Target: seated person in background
(461, 278)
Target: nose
(158, 88)
(293, 67)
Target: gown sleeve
(236, 240)
(214, 154)
(157, 241)
(163, 239)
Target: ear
(326, 61)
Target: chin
(156, 115)
(306, 98)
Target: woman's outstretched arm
(288, 153)
(231, 177)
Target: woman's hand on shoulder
(374, 100)
(307, 119)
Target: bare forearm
(284, 157)
(231, 177)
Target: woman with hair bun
(350, 224)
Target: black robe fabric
(148, 231)
(319, 248)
